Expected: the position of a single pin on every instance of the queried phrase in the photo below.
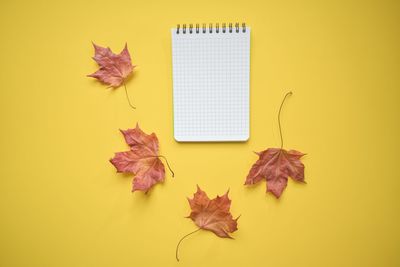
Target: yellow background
(62, 203)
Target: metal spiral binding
(210, 28)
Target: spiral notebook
(211, 69)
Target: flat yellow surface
(63, 204)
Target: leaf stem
(127, 97)
(279, 117)
(169, 167)
(177, 246)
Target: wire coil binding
(223, 29)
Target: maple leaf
(142, 159)
(114, 69)
(212, 215)
(276, 165)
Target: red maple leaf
(114, 69)
(142, 159)
(212, 215)
(276, 165)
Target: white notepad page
(211, 85)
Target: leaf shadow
(250, 189)
(296, 184)
(131, 77)
(140, 195)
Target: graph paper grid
(211, 86)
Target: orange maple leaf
(142, 159)
(211, 214)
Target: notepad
(211, 69)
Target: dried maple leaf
(276, 165)
(114, 69)
(212, 215)
(142, 159)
